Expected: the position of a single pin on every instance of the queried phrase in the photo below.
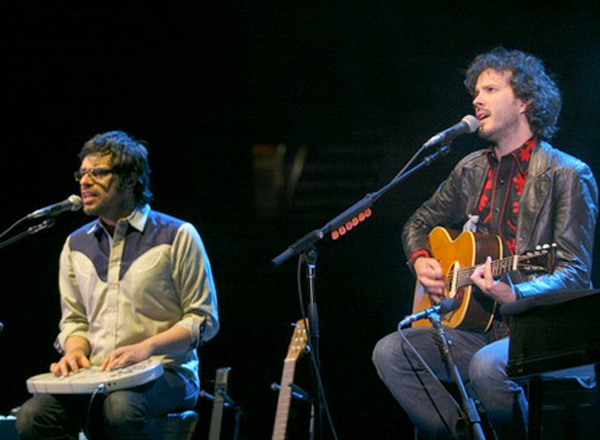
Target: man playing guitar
(520, 190)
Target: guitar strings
(463, 277)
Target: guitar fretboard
(284, 399)
(499, 267)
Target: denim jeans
(432, 409)
(119, 415)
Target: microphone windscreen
(75, 201)
(471, 122)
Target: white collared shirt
(153, 273)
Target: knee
(41, 417)
(27, 413)
(389, 357)
(124, 408)
(383, 353)
(485, 367)
(378, 353)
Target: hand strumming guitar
(429, 273)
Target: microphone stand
(310, 258)
(305, 247)
(304, 244)
(468, 405)
(29, 231)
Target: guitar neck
(284, 400)
(217, 410)
(499, 267)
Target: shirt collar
(521, 155)
(137, 219)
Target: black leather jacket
(559, 205)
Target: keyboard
(91, 380)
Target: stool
(178, 426)
(7, 428)
(561, 408)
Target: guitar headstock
(298, 341)
(541, 260)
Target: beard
(91, 210)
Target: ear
(129, 181)
(524, 105)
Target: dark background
(203, 83)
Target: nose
(85, 180)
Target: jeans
(432, 409)
(120, 415)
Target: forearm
(174, 340)
(77, 344)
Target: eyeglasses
(94, 173)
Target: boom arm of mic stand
(304, 243)
(29, 231)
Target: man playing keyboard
(134, 283)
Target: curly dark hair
(530, 81)
(128, 156)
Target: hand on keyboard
(92, 379)
(125, 356)
(71, 362)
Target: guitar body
(456, 251)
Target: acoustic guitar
(459, 254)
(295, 350)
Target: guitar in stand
(459, 254)
(219, 401)
(295, 350)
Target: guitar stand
(297, 392)
(228, 402)
(468, 405)
(222, 400)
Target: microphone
(468, 124)
(73, 203)
(446, 306)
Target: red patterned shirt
(498, 205)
